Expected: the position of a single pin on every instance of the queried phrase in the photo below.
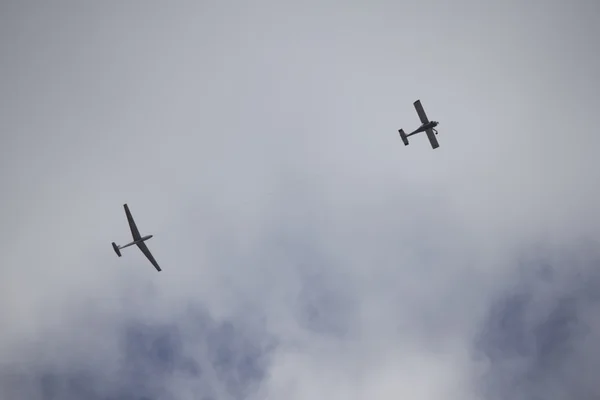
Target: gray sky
(306, 253)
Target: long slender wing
(134, 230)
(432, 138)
(142, 246)
(421, 112)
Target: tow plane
(138, 240)
(426, 126)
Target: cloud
(539, 339)
(194, 355)
(306, 252)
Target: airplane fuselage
(424, 127)
(143, 239)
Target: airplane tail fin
(116, 248)
(403, 136)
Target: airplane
(426, 126)
(138, 240)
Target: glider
(138, 240)
(426, 126)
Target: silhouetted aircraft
(426, 126)
(137, 240)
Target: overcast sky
(306, 252)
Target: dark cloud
(541, 338)
(214, 354)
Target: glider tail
(116, 248)
(403, 136)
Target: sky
(306, 252)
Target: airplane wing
(134, 230)
(432, 138)
(142, 246)
(421, 112)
